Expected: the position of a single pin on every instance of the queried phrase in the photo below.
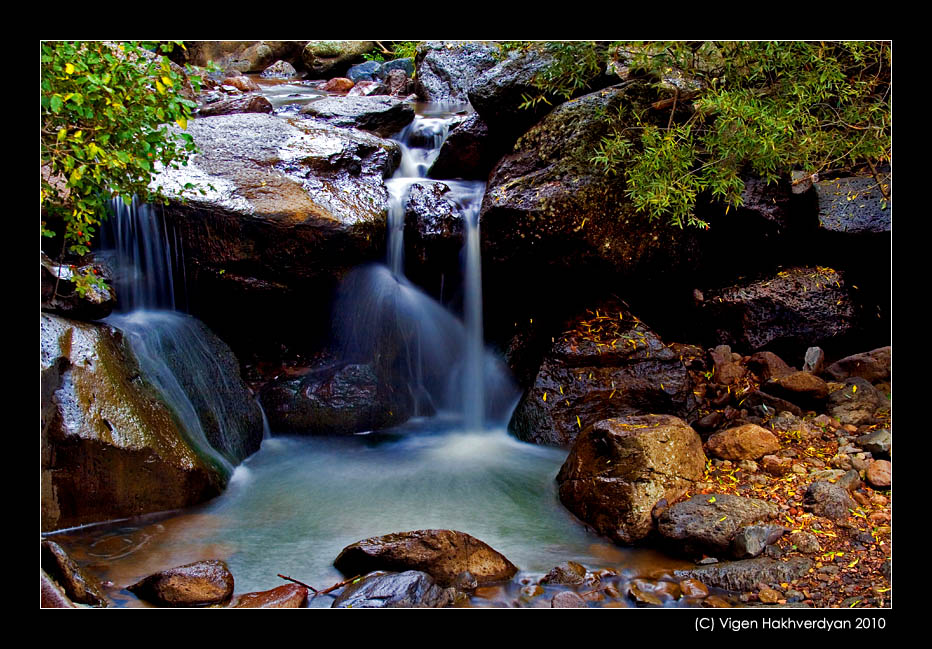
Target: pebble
(879, 473)
(768, 595)
(567, 599)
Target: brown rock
(51, 595)
(201, 583)
(78, 585)
(443, 554)
(768, 365)
(748, 442)
(873, 366)
(620, 468)
(242, 82)
(567, 599)
(768, 595)
(880, 473)
(338, 84)
(727, 370)
(694, 588)
(799, 387)
(287, 596)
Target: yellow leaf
(711, 500)
(182, 122)
(578, 423)
(167, 82)
(545, 396)
(69, 69)
(160, 87)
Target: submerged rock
(287, 596)
(619, 469)
(408, 589)
(443, 554)
(201, 583)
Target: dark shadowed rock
(619, 469)
(333, 400)
(469, 151)
(788, 312)
(768, 365)
(287, 596)
(443, 554)
(60, 295)
(201, 583)
(606, 364)
(408, 589)
(710, 522)
(747, 574)
(51, 595)
(77, 584)
(854, 205)
(872, 366)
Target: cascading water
(380, 313)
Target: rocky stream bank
(755, 452)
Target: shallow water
(293, 506)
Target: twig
(335, 586)
(300, 583)
(877, 178)
(671, 101)
(676, 96)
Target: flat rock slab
(746, 575)
(201, 583)
(287, 596)
(711, 521)
(379, 114)
(443, 554)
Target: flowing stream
(291, 507)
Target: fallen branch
(671, 101)
(339, 585)
(300, 583)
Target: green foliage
(399, 50)
(105, 110)
(765, 107)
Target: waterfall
(382, 317)
(177, 353)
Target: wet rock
(110, 447)
(60, 294)
(368, 71)
(856, 403)
(251, 103)
(745, 575)
(747, 442)
(279, 70)
(447, 69)
(408, 589)
(443, 554)
(694, 588)
(709, 523)
(293, 205)
(567, 599)
(653, 592)
(872, 366)
(469, 152)
(618, 469)
(768, 365)
(334, 400)
(826, 499)
(338, 84)
(77, 584)
(879, 442)
(243, 83)
(201, 583)
(383, 116)
(607, 364)
(880, 474)
(396, 84)
(568, 573)
(51, 595)
(326, 59)
(287, 596)
(787, 312)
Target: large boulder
(201, 583)
(325, 59)
(447, 69)
(384, 116)
(469, 151)
(786, 312)
(443, 554)
(289, 207)
(606, 364)
(110, 447)
(620, 469)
